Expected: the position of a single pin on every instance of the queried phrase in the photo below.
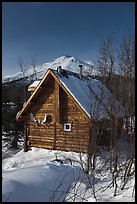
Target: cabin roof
(90, 94)
(93, 97)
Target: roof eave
(19, 114)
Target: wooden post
(54, 140)
(57, 103)
(56, 111)
(26, 132)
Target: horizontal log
(40, 133)
(36, 137)
(70, 144)
(42, 136)
(79, 127)
(72, 106)
(71, 149)
(60, 132)
(48, 104)
(83, 150)
(40, 109)
(77, 149)
(72, 113)
(72, 136)
(42, 146)
(34, 124)
(81, 124)
(47, 89)
(75, 125)
(76, 132)
(45, 125)
(73, 139)
(60, 137)
(41, 143)
(47, 99)
(42, 129)
(45, 138)
(61, 141)
(44, 106)
(44, 101)
(72, 117)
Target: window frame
(67, 129)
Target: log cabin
(61, 110)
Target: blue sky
(47, 30)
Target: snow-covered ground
(42, 175)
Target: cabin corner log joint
(57, 114)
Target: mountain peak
(67, 62)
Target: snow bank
(39, 176)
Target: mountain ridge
(67, 62)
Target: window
(67, 127)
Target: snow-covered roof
(93, 97)
(90, 94)
(34, 84)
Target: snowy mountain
(66, 62)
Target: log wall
(51, 135)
